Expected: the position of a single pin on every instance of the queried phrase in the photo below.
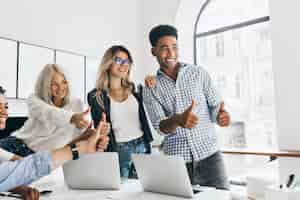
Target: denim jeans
(125, 149)
(209, 172)
(16, 146)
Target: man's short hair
(2, 90)
(160, 31)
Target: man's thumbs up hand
(188, 119)
(223, 117)
(192, 106)
(222, 107)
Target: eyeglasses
(121, 61)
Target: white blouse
(125, 119)
(49, 127)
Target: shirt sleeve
(155, 111)
(212, 96)
(49, 114)
(5, 155)
(24, 171)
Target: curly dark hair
(161, 31)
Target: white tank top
(125, 119)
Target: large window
(232, 42)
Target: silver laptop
(163, 174)
(93, 171)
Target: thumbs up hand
(80, 119)
(188, 119)
(96, 141)
(105, 126)
(103, 130)
(223, 117)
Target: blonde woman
(116, 96)
(54, 119)
(24, 171)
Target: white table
(130, 190)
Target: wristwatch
(74, 150)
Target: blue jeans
(16, 146)
(125, 149)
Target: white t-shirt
(125, 119)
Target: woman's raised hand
(80, 120)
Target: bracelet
(74, 150)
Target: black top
(96, 112)
(12, 124)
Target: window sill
(263, 152)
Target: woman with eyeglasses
(54, 117)
(117, 97)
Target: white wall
(286, 66)
(181, 14)
(153, 13)
(86, 27)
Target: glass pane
(220, 13)
(240, 63)
(32, 60)
(8, 66)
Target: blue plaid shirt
(169, 97)
(24, 171)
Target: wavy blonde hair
(103, 77)
(43, 84)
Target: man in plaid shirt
(183, 106)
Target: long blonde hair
(103, 76)
(43, 84)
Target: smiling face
(120, 66)
(3, 112)
(59, 87)
(166, 52)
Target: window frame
(222, 29)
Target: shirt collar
(160, 73)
